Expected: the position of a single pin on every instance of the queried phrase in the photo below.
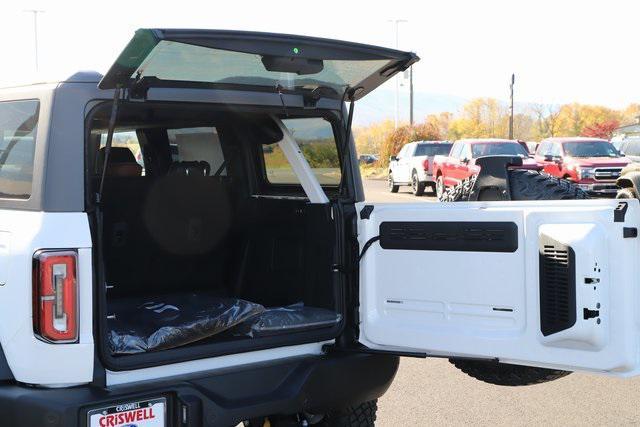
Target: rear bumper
(425, 176)
(312, 384)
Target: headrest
(121, 162)
(195, 168)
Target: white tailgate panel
(487, 304)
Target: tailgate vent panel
(557, 286)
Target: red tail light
(425, 164)
(55, 296)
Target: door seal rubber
(365, 213)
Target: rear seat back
(187, 212)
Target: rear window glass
(18, 127)
(496, 149)
(197, 144)
(184, 62)
(122, 139)
(632, 148)
(316, 140)
(433, 149)
(590, 149)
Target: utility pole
(35, 32)
(411, 95)
(513, 80)
(396, 23)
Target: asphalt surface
(377, 191)
(434, 392)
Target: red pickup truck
(593, 164)
(460, 163)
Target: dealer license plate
(145, 413)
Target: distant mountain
(379, 105)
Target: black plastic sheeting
(293, 318)
(150, 324)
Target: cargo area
(205, 239)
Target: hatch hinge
(138, 89)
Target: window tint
(172, 60)
(496, 149)
(433, 149)
(122, 139)
(542, 149)
(455, 151)
(466, 152)
(197, 144)
(556, 150)
(18, 127)
(590, 149)
(316, 140)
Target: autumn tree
(630, 115)
(405, 134)
(546, 119)
(574, 118)
(370, 139)
(601, 130)
(441, 121)
(481, 118)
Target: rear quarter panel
(33, 361)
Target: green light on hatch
(296, 50)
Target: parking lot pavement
(377, 191)
(433, 392)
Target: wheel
(505, 374)
(392, 185)
(440, 187)
(416, 185)
(363, 415)
(626, 193)
(524, 185)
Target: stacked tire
(523, 185)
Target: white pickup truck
(413, 165)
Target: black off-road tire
(417, 187)
(626, 193)
(363, 415)
(524, 185)
(505, 374)
(392, 185)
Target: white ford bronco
(185, 242)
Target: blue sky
(561, 51)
